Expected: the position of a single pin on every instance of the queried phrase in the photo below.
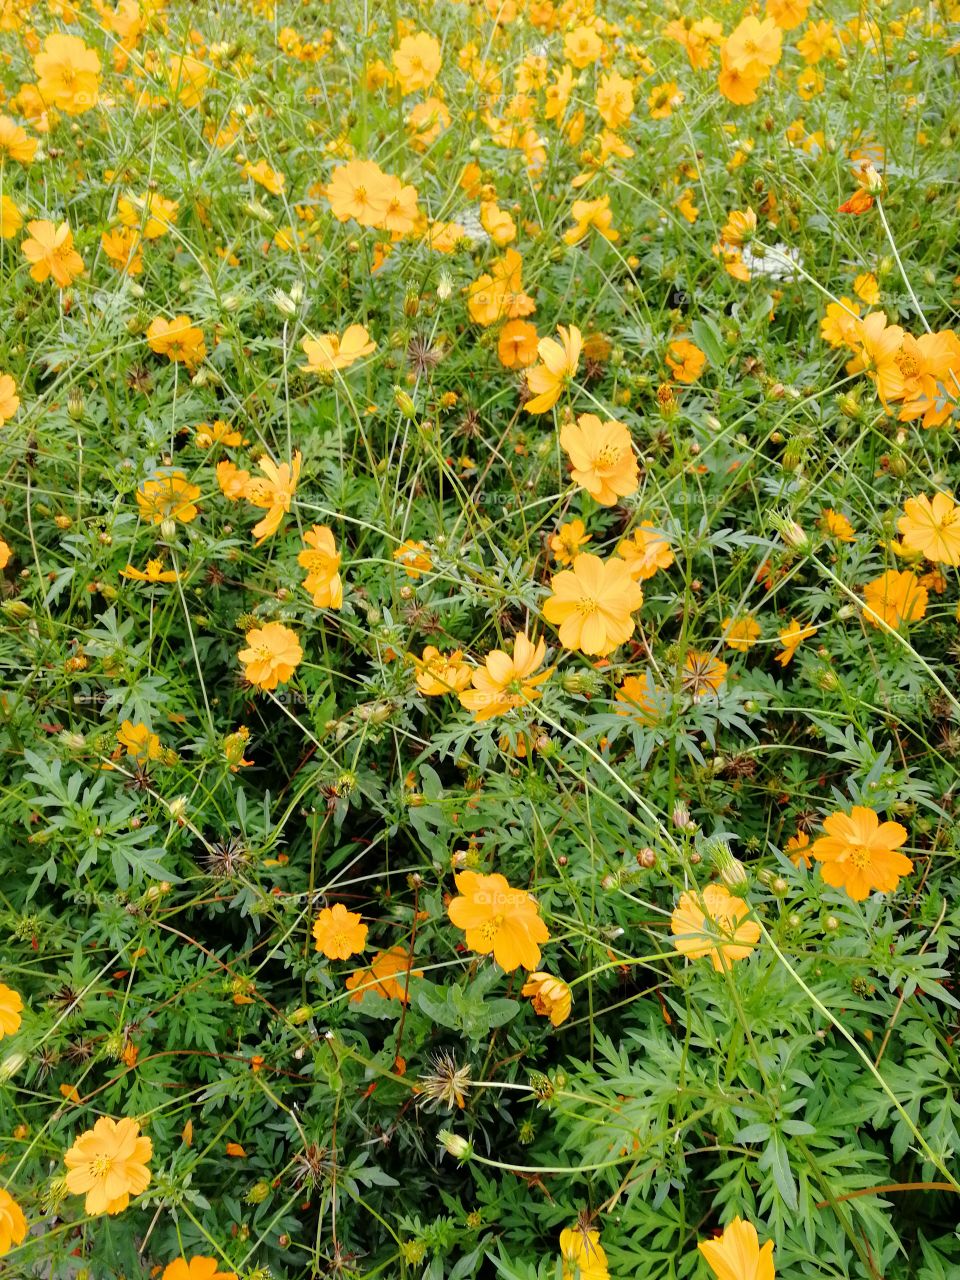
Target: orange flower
(581, 46)
(582, 1255)
(505, 683)
(860, 202)
(895, 598)
(497, 223)
(6, 554)
(139, 742)
(560, 363)
(640, 694)
(9, 400)
(713, 923)
(168, 496)
(187, 78)
(264, 176)
(737, 1254)
(440, 673)
(13, 1225)
(614, 99)
(272, 655)
(234, 1149)
(791, 638)
(839, 324)
(122, 247)
(551, 996)
(68, 74)
(154, 572)
(198, 1268)
(499, 919)
(754, 45)
(591, 213)
(15, 143)
(499, 296)
(358, 190)
(50, 250)
(859, 852)
(11, 219)
(592, 603)
(567, 541)
(321, 559)
(646, 551)
(602, 457)
(339, 933)
(739, 84)
(663, 98)
(932, 527)
(414, 557)
(330, 351)
(686, 360)
(274, 493)
(837, 525)
(178, 340)
(517, 346)
(417, 61)
(796, 850)
(219, 432)
(232, 480)
(11, 1007)
(387, 975)
(150, 215)
(108, 1164)
(741, 633)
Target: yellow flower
(614, 99)
(602, 457)
(9, 400)
(272, 655)
(646, 551)
(860, 853)
(663, 98)
(219, 432)
(592, 603)
(330, 351)
(152, 215)
(505, 683)
(169, 496)
(497, 223)
(640, 694)
(837, 525)
(13, 1225)
(895, 598)
(441, 673)
(339, 933)
(108, 1164)
(686, 360)
(713, 923)
(198, 1268)
(11, 1006)
(499, 919)
(274, 493)
(139, 742)
(582, 1254)
(741, 633)
(930, 526)
(68, 74)
(567, 541)
(414, 558)
(15, 142)
(552, 997)
(581, 46)
(50, 250)
(591, 213)
(232, 480)
(154, 572)
(321, 559)
(264, 176)
(187, 78)
(178, 340)
(865, 287)
(791, 638)
(416, 61)
(560, 363)
(737, 1254)
(11, 219)
(123, 247)
(839, 325)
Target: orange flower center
(860, 857)
(908, 365)
(608, 456)
(587, 606)
(100, 1166)
(490, 928)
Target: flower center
(490, 928)
(908, 365)
(860, 857)
(100, 1166)
(586, 606)
(608, 456)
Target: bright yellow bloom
(264, 176)
(339, 933)
(896, 598)
(321, 559)
(417, 61)
(582, 1254)
(154, 572)
(51, 252)
(441, 673)
(152, 215)
(168, 496)
(581, 46)
(330, 351)
(11, 1006)
(737, 1254)
(499, 919)
(591, 213)
(614, 99)
(837, 525)
(602, 458)
(9, 400)
(741, 633)
(592, 603)
(187, 78)
(139, 742)
(646, 551)
(123, 247)
(560, 363)
(860, 853)
(272, 655)
(567, 541)
(551, 996)
(930, 526)
(663, 98)
(713, 923)
(108, 1164)
(68, 74)
(13, 1225)
(179, 340)
(15, 142)
(11, 219)
(414, 557)
(505, 683)
(198, 1268)
(273, 492)
(686, 360)
(791, 638)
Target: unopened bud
(454, 1145)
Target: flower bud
(454, 1145)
